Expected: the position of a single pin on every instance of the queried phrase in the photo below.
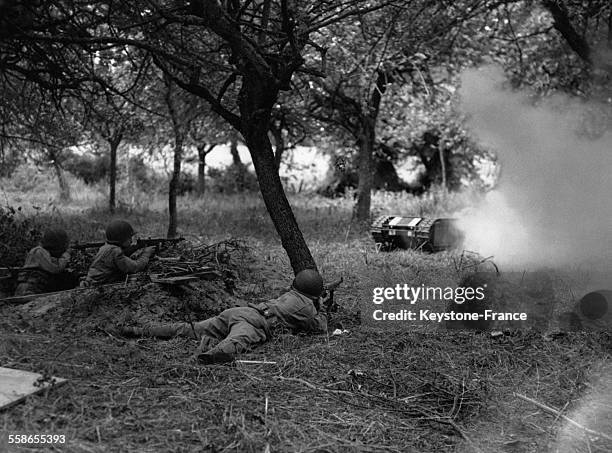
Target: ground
(365, 390)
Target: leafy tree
(253, 47)
(394, 47)
(40, 128)
(114, 120)
(207, 131)
(181, 112)
(170, 121)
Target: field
(366, 390)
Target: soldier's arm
(64, 260)
(318, 324)
(49, 264)
(129, 266)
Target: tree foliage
(361, 63)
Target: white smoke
(554, 201)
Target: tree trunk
(203, 151)
(178, 121)
(201, 169)
(256, 100)
(64, 187)
(237, 163)
(174, 184)
(365, 171)
(365, 139)
(563, 24)
(442, 167)
(234, 150)
(279, 145)
(112, 198)
(610, 30)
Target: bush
(187, 184)
(90, 169)
(9, 161)
(18, 234)
(146, 178)
(233, 179)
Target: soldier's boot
(222, 353)
(210, 358)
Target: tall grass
(215, 215)
(36, 189)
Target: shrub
(187, 184)
(233, 179)
(30, 178)
(90, 169)
(145, 177)
(9, 161)
(18, 234)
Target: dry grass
(368, 390)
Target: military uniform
(238, 329)
(111, 265)
(43, 273)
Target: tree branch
(202, 92)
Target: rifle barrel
(333, 285)
(86, 245)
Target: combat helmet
(55, 240)
(309, 283)
(118, 231)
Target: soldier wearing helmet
(111, 264)
(45, 266)
(238, 329)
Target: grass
(369, 390)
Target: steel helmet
(55, 239)
(308, 282)
(118, 231)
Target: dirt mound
(232, 279)
(91, 310)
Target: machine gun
(140, 244)
(328, 295)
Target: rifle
(328, 295)
(86, 245)
(140, 244)
(158, 243)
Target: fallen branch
(248, 362)
(560, 415)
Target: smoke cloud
(553, 204)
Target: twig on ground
(248, 362)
